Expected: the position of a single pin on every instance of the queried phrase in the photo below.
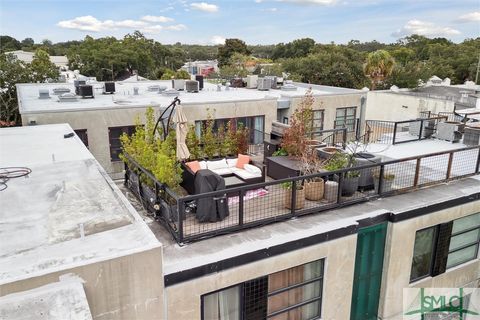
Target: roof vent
(192, 86)
(178, 84)
(85, 91)
(289, 87)
(162, 88)
(153, 88)
(67, 97)
(78, 83)
(109, 88)
(135, 91)
(60, 90)
(171, 93)
(43, 94)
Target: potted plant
(209, 145)
(350, 179)
(314, 187)
(300, 194)
(193, 143)
(388, 178)
(230, 142)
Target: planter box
(299, 199)
(314, 190)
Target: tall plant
(193, 143)
(230, 142)
(242, 138)
(209, 147)
(294, 139)
(222, 148)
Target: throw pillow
(193, 165)
(242, 161)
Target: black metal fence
(263, 203)
(394, 132)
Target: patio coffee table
(233, 181)
(282, 167)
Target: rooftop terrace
(124, 98)
(67, 212)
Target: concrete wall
(399, 254)
(97, 122)
(329, 103)
(129, 287)
(384, 105)
(184, 299)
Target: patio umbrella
(181, 127)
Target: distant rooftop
(67, 212)
(26, 56)
(124, 97)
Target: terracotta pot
(314, 190)
(299, 200)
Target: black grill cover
(210, 209)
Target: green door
(368, 272)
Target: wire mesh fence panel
(433, 169)
(264, 203)
(464, 162)
(379, 131)
(397, 176)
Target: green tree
(9, 44)
(43, 69)
(379, 65)
(230, 47)
(27, 42)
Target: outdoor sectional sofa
(225, 167)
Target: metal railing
(263, 203)
(394, 132)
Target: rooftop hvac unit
(135, 91)
(264, 84)
(252, 81)
(178, 84)
(450, 130)
(171, 93)
(77, 84)
(60, 90)
(85, 91)
(109, 87)
(471, 136)
(43, 94)
(192, 86)
(199, 78)
(274, 81)
(153, 88)
(67, 97)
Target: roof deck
(67, 212)
(124, 97)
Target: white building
(27, 57)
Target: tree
(9, 44)
(43, 69)
(27, 42)
(231, 46)
(378, 66)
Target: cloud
(203, 6)
(217, 40)
(469, 17)
(160, 19)
(145, 24)
(425, 29)
(311, 2)
(270, 10)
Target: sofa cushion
(253, 169)
(242, 161)
(217, 164)
(232, 162)
(193, 165)
(203, 164)
(222, 171)
(244, 174)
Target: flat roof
(67, 212)
(61, 300)
(124, 98)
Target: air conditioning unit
(67, 97)
(109, 87)
(192, 86)
(85, 91)
(178, 84)
(199, 78)
(264, 84)
(471, 136)
(43, 94)
(252, 81)
(171, 93)
(77, 84)
(274, 81)
(450, 131)
(60, 90)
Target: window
(295, 293)
(82, 134)
(422, 254)
(317, 121)
(445, 246)
(114, 134)
(255, 125)
(346, 118)
(464, 241)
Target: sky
(254, 21)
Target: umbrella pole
(165, 130)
